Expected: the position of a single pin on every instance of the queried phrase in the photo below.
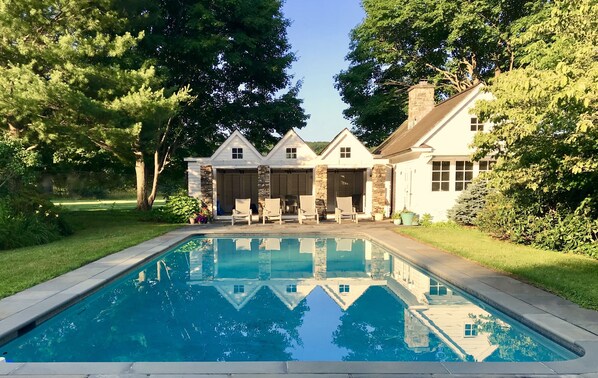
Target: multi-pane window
(476, 125)
(238, 289)
(436, 288)
(471, 330)
(237, 153)
(440, 176)
(345, 152)
(463, 174)
(292, 153)
(343, 288)
(291, 288)
(486, 165)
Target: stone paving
(556, 318)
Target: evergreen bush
(470, 203)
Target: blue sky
(319, 36)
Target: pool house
(345, 168)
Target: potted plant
(204, 215)
(407, 217)
(396, 218)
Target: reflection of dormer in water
(291, 268)
(444, 312)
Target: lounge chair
(307, 209)
(242, 210)
(272, 210)
(344, 209)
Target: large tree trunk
(140, 174)
(157, 171)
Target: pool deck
(554, 317)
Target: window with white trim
(237, 153)
(436, 288)
(345, 152)
(476, 125)
(471, 330)
(463, 174)
(343, 288)
(486, 165)
(292, 288)
(292, 153)
(440, 176)
(237, 289)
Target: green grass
(100, 205)
(97, 234)
(571, 276)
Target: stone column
(319, 261)
(321, 188)
(377, 267)
(263, 186)
(206, 186)
(265, 265)
(378, 188)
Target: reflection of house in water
(431, 306)
(344, 268)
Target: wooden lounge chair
(272, 210)
(307, 209)
(242, 210)
(344, 209)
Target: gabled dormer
(291, 151)
(345, 150)
(237, 151)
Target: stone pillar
(265, 265)
(377, 267)
(263, 186)
(206, 186)
(378, 188)
(319, 261)
(321, 189)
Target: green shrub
(470, 203)
(177, 209)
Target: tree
(70, 72)
(456, 44)
(234, 55)
(545, 114)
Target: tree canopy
(454, 44)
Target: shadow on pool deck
(554, 317)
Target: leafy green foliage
(470, 203)
(178, 209)
(17, 166)
(545, 114)
(453, 43)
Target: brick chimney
(421, 101)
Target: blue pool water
(276, 299)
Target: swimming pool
(262, 298)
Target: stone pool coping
(557, 318)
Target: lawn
(97, 234)
(100, 205)
(571, 276)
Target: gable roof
(290, 135)
(404, 138)
(237, 135)
(343, 135)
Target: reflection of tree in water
(378, 335)
(513, 345)
(182, 323)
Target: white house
(291, 169)
(430, 152)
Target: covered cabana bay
(291, 169)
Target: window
(476, 125)
(291, 288)
(343, 288)
(471, 330)
(463, 174)
(436, 288)
(440, 176)
(292, 153)
(345, 152)
(237, 289)
(237, 153)
(486, 165)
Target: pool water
(278, 299)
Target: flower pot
(378, 217)
(397, 222)
(191, 220)
(407, 218)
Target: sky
(319, 36)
